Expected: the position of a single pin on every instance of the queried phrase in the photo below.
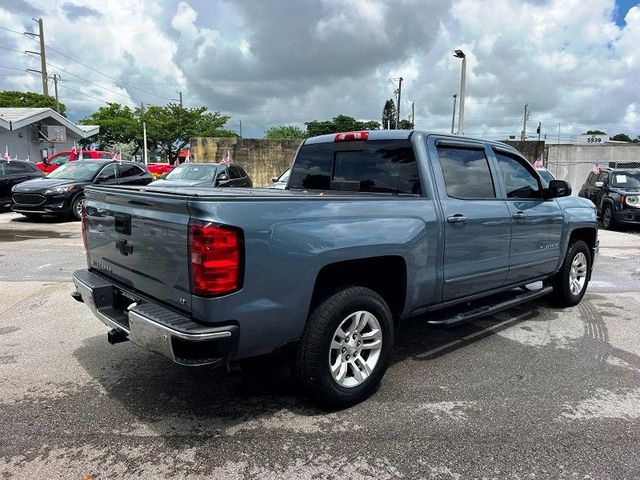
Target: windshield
(546, 177)
(193, 171)
(625, 179)
(80, 171)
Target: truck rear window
(387, 166)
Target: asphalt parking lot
(530, 393)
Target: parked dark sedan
(12, 173)
(62, 192)
(205, 175)
(616, 194)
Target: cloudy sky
(575, 62)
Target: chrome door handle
(519, 215)
(457, 219)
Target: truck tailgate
(140, 241)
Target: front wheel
(76, 207)
(346, 348)
(608, 220)
(570, 284)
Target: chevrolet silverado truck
(373, 227)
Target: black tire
(311, 365)
(76, 212)
(562, 295)
(608, 219)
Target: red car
(54, 161)
(158, 169)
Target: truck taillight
(84, 226)
(215, 254)
(348, 136)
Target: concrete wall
(574, 162)
(531, 150)
(262, 159)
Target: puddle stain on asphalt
(9, 329)
(21, 235)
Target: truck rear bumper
(152, 326)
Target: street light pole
(463, 79)
(453, 115)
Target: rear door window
(128, 170)
(15, 168)
(386, 166)
(466, 172)
(234, 172)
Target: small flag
(188, 157)
(539, 163)
(596, 167)
(226, 160)
(116, 156)
(6, 154)
(28, 159)
(81, 157)
(74, 150)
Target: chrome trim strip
(185, 336)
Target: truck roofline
(405, 135)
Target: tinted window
(591, 179)
(234, 172)
(603, 177)
(76, 171)
(242, 172)
(519, 181)
(466, 172)
(372, 166)
(193, 171)
(105, 155)
(13, 168)
(108, 173)
(128, 170)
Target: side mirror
(274, 179)
(558, 188)
(222, 180)
(599, 184)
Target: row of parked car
(28, 191)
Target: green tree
(170, 128)
(404, 124)
(339, 123)
(284, 132)
(118, 124)
(621, 137)
(594, 132)
(389, 114)
(14, 99)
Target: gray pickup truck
(374, 227)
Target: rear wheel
(346, 348)
(608, 220)
(570, 284)
(76, 207)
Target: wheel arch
(385, 275)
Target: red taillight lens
(348, 136)
(84, 226)
(215, 258)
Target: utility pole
(539, 129)
(413, 115)
(144, 139)
(463, 81)
(55, 86)
(523, 135)
(43, 58)
(453, 115)
(399, 92)
(180, 93)
(240, 122)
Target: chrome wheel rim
(79, 205)
(355, 349)
(578, 274)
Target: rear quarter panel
(288, 242)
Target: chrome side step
(485, 307)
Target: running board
(484, 308)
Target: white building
(37, 133)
